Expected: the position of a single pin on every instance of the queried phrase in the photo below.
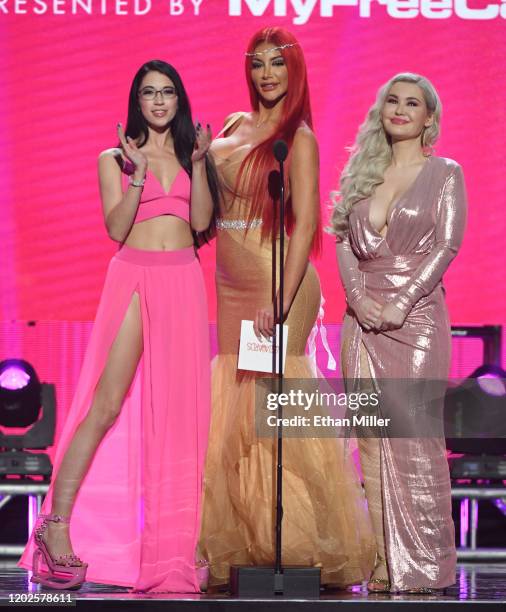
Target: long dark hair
(181, 127)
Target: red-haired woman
(324, 520)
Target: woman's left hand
(263, 325)
(390, 318)
(202, 142)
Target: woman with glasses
(129, 462)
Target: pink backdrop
(64, 86)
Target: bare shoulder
(305, 147)
(110, 164)
(234, 117)
(112, 153)
(233, 121)
(110, 159)
(305, 141)
(109, 156)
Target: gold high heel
(418, 591)
(379, 585)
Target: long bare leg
(369, 449)
(370, 461)
(114, 383)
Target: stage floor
(479, 586)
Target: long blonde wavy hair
(371, 154)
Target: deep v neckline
(160, 182)
(393, 206)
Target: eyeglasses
(150, 93)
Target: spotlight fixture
(19, 393)
(25, 403)
(475, 424)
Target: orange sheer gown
(325, 517)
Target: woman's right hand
(132, 153)
(367, 312)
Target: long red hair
(255, 169)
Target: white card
(255, 354)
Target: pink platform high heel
(65, 571)
(202, 571)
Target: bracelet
(136, 183)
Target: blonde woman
(399, 220)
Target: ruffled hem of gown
(325, 524)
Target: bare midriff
(163, 233)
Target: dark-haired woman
(129, 462)
(324, 523)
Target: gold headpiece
(271, 49)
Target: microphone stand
(296, 581)
(280, 152)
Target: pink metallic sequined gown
(405, 267)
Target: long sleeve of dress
(351, 276)
(450, 225)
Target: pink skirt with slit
(137, 514)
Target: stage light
(475, 424)
(19, 393)
(491, 379)
(13, 376)
(28, 405)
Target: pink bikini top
(155, 201)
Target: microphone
(280, 150)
